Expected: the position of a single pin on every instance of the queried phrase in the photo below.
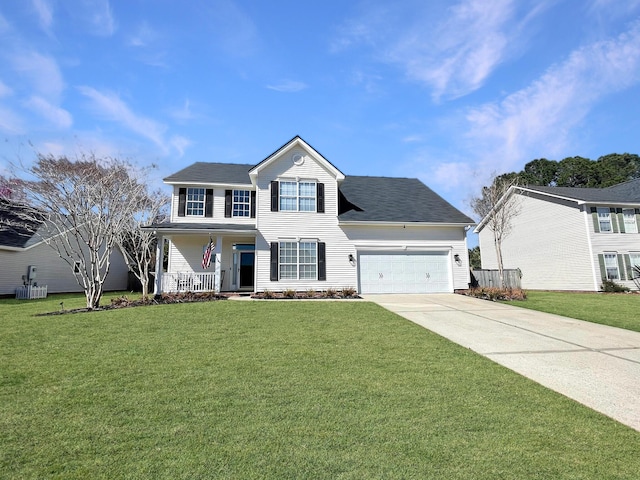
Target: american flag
(206, 258)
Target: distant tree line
(606, 171)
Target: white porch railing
(188, 282)
(28, 292)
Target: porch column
(217, 264)
(157, 284)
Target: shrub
(610, 286)
(495, 294)
(311, 293)
(268, 294)
(289, 293)
(330, 292)
(349, 292)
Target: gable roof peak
(296, 141)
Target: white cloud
(44, 11)
(461, 53)
(180, 144)
(288, 86)
(41, 71)
(54, 114)
(184, 113)
(110, 106)
(10, 122)
(452, 49)
(96, 15)
(143, 36)
(545, 114)
(5, 91)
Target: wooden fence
(491, 278)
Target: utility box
(32, 270)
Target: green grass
(616, 310)
(242, 390)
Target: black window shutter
(274, 261)
(275, 187)
(320, 198)
(322, 261)
(253, 204)
(227, 203)
(182, 201)
(208, 203)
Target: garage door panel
(404, 273)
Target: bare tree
(139, 245)
(498, 207)
(81, 208)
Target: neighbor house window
(297, 196)
(604, 219)
(634, 260)
(611, 266)
(298, 260)
(241, 203)
(195, 202)
(629, 216)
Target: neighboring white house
(570, 238)
(24, 253)
(294, 221)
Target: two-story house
(295, 221)
(570, 238)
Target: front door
(247, 268)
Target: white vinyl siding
(549, 244)
(53, 271)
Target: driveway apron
(596, 365)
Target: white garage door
(423, 272)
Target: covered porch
(231, 267)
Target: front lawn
(616, 310)
(279, 389)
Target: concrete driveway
(596, 365)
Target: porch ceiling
(201, 228)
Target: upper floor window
(195, 202)
(241, 203)
(297, 196)
(629, 216)
(604, 219)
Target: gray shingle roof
(388, 199)
(204, 172)
(15, 231)
(627, 192)
(365, 199)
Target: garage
(402, 272)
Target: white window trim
(298, 263)
(601, 211)
(297, 195)
(613, 255)
(629, 226)
(203, 202)
(246, 206)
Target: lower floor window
(298, 260)
(634, 260)
(611, 266)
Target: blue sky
(446, 91)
